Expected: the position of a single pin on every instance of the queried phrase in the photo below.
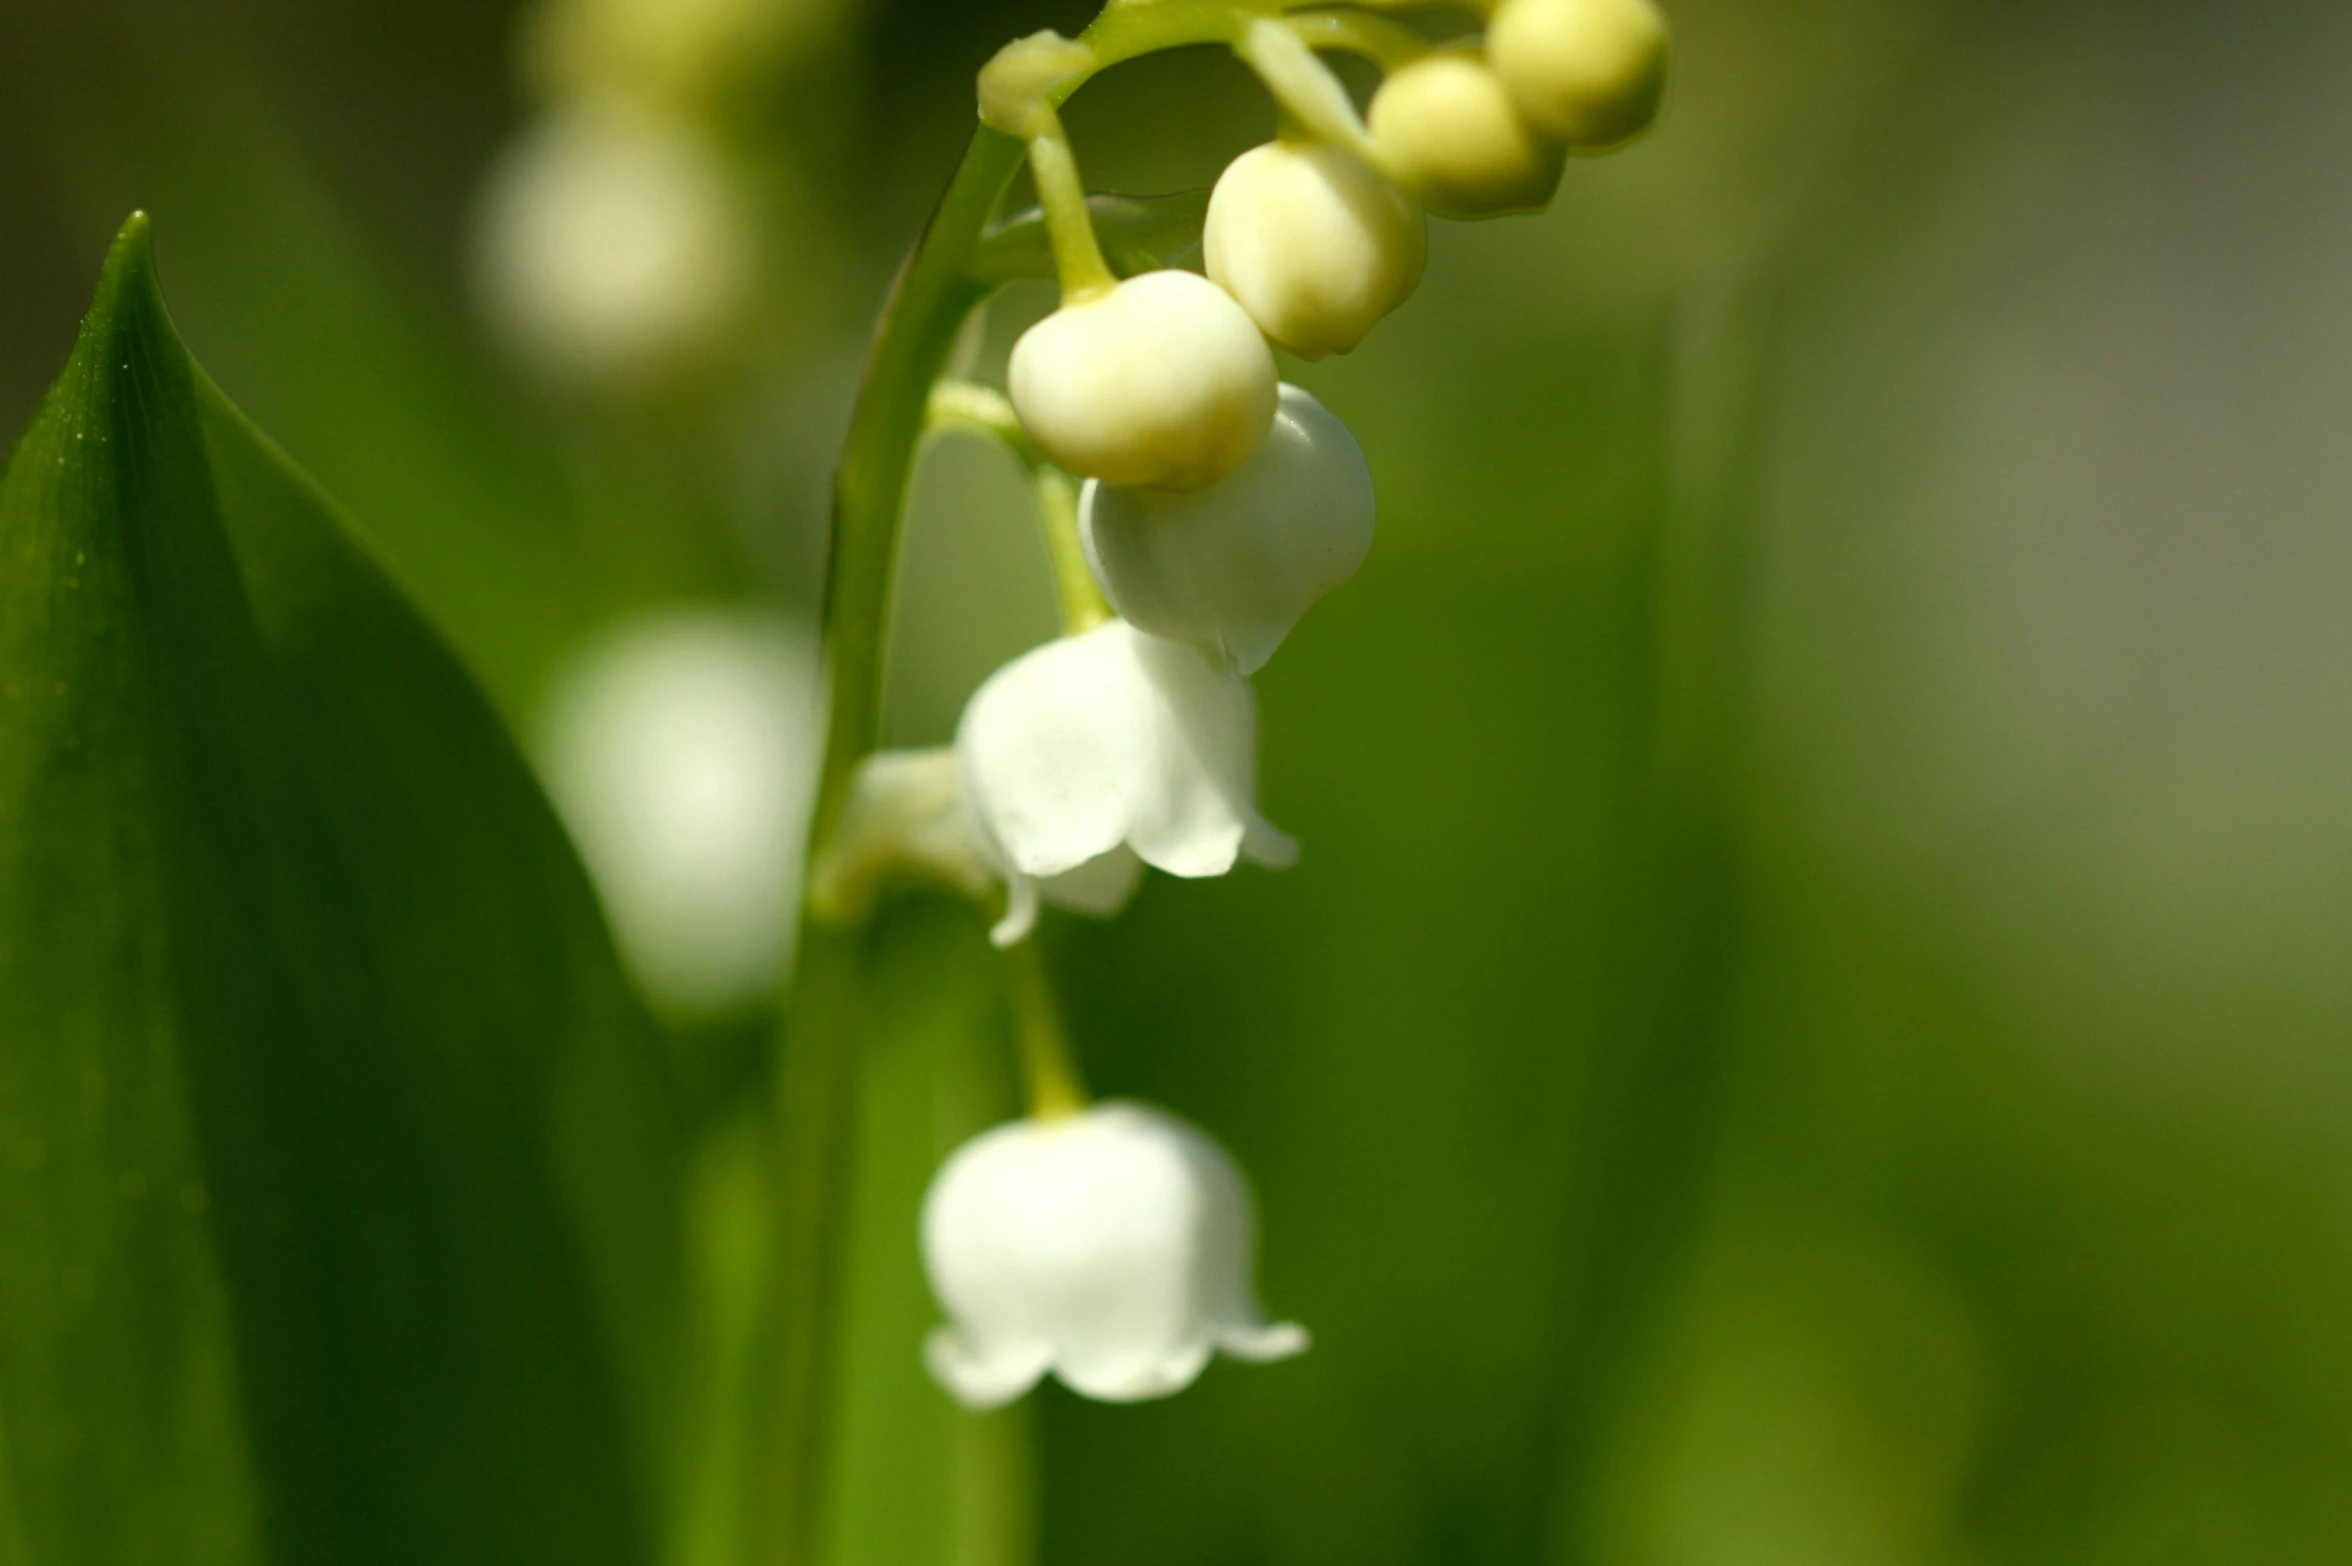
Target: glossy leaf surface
(334, 1222)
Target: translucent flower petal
(1229, 569)
(1113, 739)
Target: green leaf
(335, 1188)
(1138, 234)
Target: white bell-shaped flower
(1314, 243)
(1112, 1247)
(1229, 569)
(1099, 749)
(905, 821)
(1589, 72)
(1450, 132)
(1163, 380)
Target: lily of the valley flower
(1451, 133)
(1589, 72)
(1313, 243)
(1162, 380)
(1229, 569)
(1112, 1247)
(906, 821)
(1091, 752)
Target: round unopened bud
(1230, 569)
(1587, 71)
(1453, 136)
(1163, 381)
(1315, 244)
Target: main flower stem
(817, 1061)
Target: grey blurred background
(1813, 1024)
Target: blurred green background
(1812, 1024)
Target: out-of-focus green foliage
(336, 1224)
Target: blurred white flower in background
(614, 246)
(1112, 1247)
(681, 750)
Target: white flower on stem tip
(1088, 753)
(1587, 71)
(1314, 243)
(1229, 569)
(1112, 1247)
(1162, 380)
(1450, 132)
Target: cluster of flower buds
(1111, 1244)
(1479, 130)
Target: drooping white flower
(1450, 132)
(1163, 380)
(615, 246)
(1314, 243)
(1112, 1247)
(905, 820)
(1229, 569)
(1589, 72)
(1110, 743)
(681, 750)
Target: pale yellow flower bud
(1589, 72)
(1314, 244)
(1453, 136)
(1163, 380)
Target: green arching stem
(1048, 1069)
(1386, 43)
(816, 1067)
(1303, 86)
(1078, 257)
(927, 308)
(985, 411)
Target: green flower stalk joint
(1111, 1245)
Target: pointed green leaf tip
(333, 1193)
